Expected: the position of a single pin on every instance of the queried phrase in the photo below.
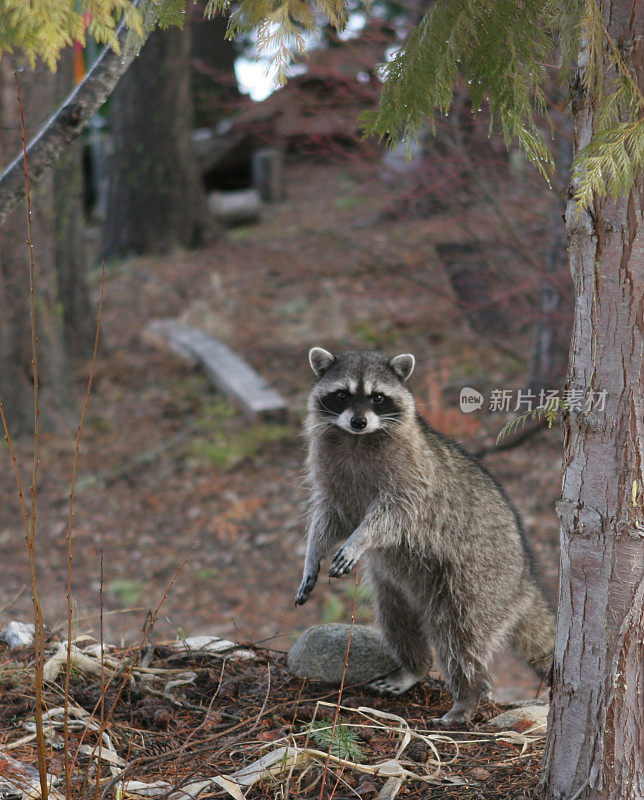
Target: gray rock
(18, 634)
(532, 717)
(235, 208)
(320, 651)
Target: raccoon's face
(360, 392)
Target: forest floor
(170, 471)
(184, 724)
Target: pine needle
(346, 742)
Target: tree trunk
(155, 199)
(552, 329)
(47, 143)
(212, 74)
(70, 251)
(16, 373)
(596, 725)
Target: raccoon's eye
(377, 398)
(341, 395)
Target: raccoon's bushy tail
(533, 637)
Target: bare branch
(74, 114)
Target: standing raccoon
(442, 545)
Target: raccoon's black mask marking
(334, 403)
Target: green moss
(100, 423)
(207, 574)
(379, 336)
(294, 308)
(129, 592)
(365, 592)
(213, 415)
(229, 449)
(349, 202)
(14, 675)
(333, 609)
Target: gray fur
(320, 360)
(440, 542)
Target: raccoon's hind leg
(402, 629)
(463, 657)
(533, 637)
(469, 683)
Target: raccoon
(442, 545)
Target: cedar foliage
(501, 48)
(280, 26)
(42, 28)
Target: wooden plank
(267, 169)
(241, 384)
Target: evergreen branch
(281, 25)
(73, 115)
(610, 161)
(592, 50)
(343, 742)
(42, 28)
(565, 21)
(173, 14)
(547, 411)
(623, 69)
(500, 48)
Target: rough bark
(552, 329)
(212, 75)
(155, 200)
(70, 251)
(72, 116)
(16, 374)
(596, 724)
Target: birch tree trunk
(596, 725)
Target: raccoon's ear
(320, 360)
(403, 365)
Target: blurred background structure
(260, 216)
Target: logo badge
(470, 400)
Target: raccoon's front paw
(344, 561)
(306, 587)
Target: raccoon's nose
(358, 422)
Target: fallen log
(241, 384)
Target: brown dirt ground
(169, 471)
